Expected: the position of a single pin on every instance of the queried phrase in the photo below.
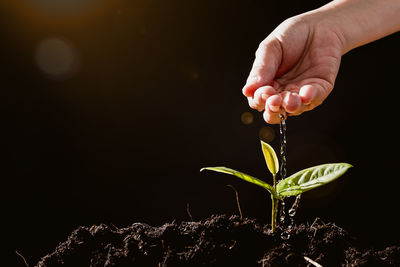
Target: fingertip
(251, 102)
(307, 94)
(262, 93)
(259, 96)
(292, 102)
(254, 104)
(274, 102)
(248, 91)
(271, 117)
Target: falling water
(282, 131)
(292, 211)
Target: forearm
(363, 21)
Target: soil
(217, 241)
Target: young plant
(293, 185)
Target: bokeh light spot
(195, 76)
(266, 134)
(247, 118)
(56, 57)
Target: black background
(157, 96)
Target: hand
(295, 67)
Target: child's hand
(295, 67)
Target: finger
(308, 94)
(266, 63)
(271, 117)
(291, 102)
(252, 103)
(259, 100)
(313, 94)
(267, 90)
(261, 95)
(274, 103)
(256, 104)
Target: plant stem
(274, 207)
(273, 216)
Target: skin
(296, 65)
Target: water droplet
(292, 212)
(285, 236)
(295, 206)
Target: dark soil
(217, 241)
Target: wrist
(359, 22)
(326, 20)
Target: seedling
(293, 185)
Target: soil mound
(217, 241)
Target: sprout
(293, 185)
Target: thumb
(265, 66)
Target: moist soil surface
(217, 241)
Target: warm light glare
(40, 15)
(56, 57)
(64, 6)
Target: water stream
(282, 132)
(292, 211)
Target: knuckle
(262, 47)
(254, 78)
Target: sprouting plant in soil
(293, 185)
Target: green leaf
(270, 158)
(245, 177)
(310, 178)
